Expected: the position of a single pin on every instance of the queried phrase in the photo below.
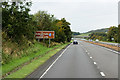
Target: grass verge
(27, 69)
(37, 50)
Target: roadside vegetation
(111, 36)
(18, 34)
(22, 73)
(37, 58)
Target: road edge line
(53, 63)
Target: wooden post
(49, 42)
(38, 40)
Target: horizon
(83, 16)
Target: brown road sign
(45, 34)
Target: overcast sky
(84, 15)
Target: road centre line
(53, 63)
(102, 74)
(91, 57)
(95, 63)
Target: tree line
(113, 35)
(19, 26)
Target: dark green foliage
(112, 33)
(61, 27)
(19, 27)
(98, 35)
(62, 30)
(17, 23)
(119, 33)
(75, 33)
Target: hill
(99, 30)
(93, 31)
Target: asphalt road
(106, 59)
(84, 60)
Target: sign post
(45, 35)
(49, 42)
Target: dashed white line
(95, 63)
(53, 63)
(91, 57)
(102, 74)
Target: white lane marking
(108, 49)
(91, 57)
(115, 51)
(53, 63)
(88, 53)
(95, 63)
(102, 73)
(111, 50)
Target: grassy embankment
(42, 54)
(84, 34)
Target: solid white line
(88, 53)
(53, 63)
(102, 73)
(115, 52)
(95, 63)
(111, 50)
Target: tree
(67, 30)
(98, 35)
(118, 33)
(44, 20)
(62, 30)
(112, 33)
(17, 23)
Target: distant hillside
(98, 30)
(94, 31)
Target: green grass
(27, 69)
(84, 34)
(40, 50)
